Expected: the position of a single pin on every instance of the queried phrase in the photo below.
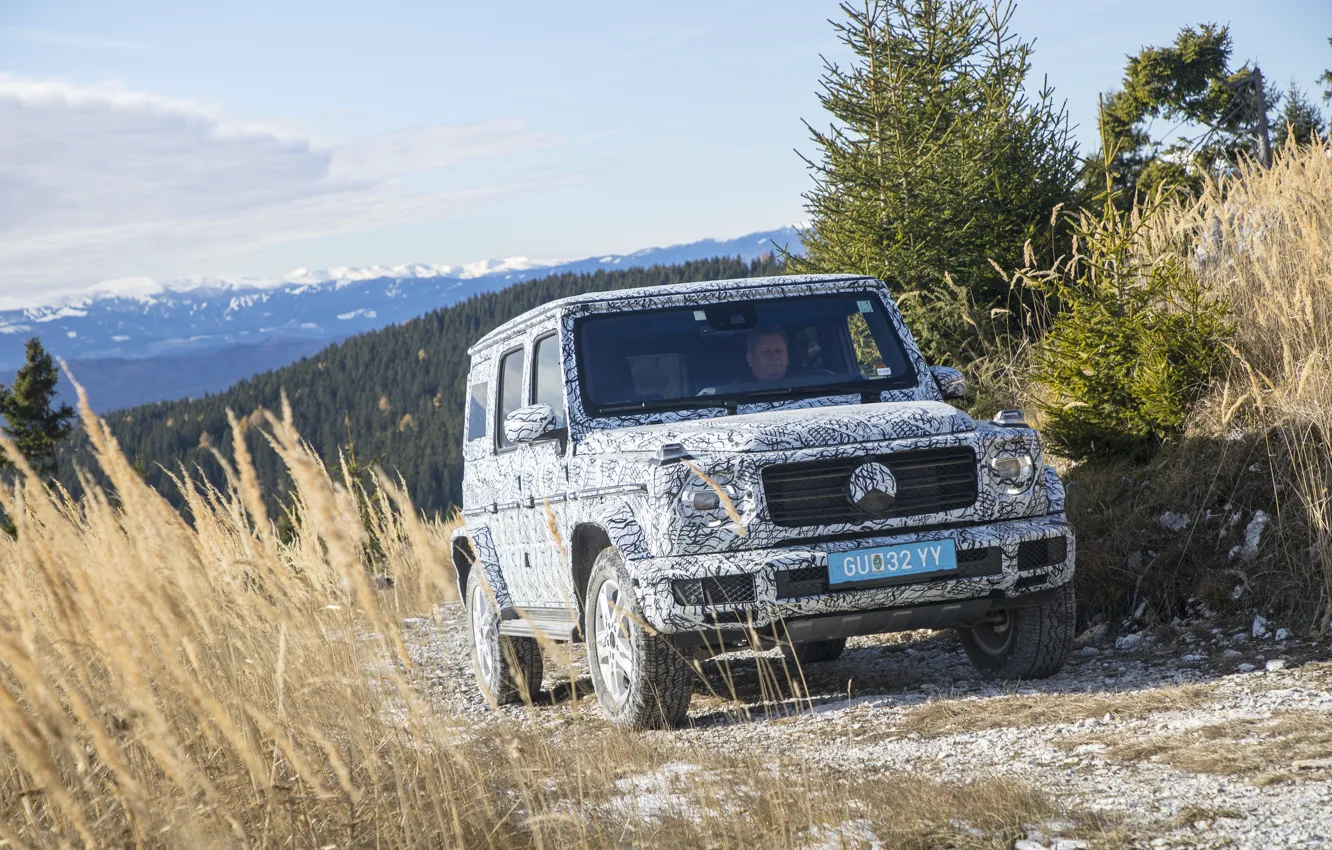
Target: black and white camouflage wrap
(871, 486)
(522, 505)
(952, 383)
(529, 423)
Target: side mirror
(952, 383)
(529, 423)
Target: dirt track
(1169, 733)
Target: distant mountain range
(146, 341)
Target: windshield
(739, 352)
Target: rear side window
(476, 410)
(510, 391)
(547, 378)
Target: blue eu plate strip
(900, 561)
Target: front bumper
(787, 590)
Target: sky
(255, 137)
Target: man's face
(768, 360)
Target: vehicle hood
(788, 429)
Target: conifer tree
(1301, 120)
(937, 164)
(31, 420)
(1191, 83)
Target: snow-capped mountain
(142, 318)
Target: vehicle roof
(619, 295)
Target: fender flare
(1054, 491)
(625, 533)
(484, 556)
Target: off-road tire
(661, 682)
(516, 660)
(814, 651)
(1038, 640)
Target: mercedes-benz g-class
(683, 470)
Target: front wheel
(508, 669)
(1026, 643)
(641, 681)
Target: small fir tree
(936, 163)
(32, 420)
(1301, 120)
(1132, 340)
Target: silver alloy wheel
(614, 638)
(485, 634)
(994, 638)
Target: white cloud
(106, 182)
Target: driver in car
(766, 354)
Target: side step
(553, 623)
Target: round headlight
(704, 500)
(1015, 474)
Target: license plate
(901, 561)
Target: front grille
(715, 590)
(1042, 553)
(815, 492)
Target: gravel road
(862, 712)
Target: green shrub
(1132, 340)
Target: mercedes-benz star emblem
(872, 488)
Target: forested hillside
(394, 394)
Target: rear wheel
(1025, 643)
(641, 681)
(508, 669)
(815, 651)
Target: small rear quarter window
(476, 410)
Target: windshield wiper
(860, 388)
(662, 404)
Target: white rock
(1172, 521)
(1028, 844)
(1069, 844)
(1231, 653)
(1245, 668)
(1276, 664)
(1259, 626)
(1253, 535)
(1282, 634)
(1128, 641)
(1192, 659)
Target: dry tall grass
(166, 683)
(1263, 241)
(1259, 441)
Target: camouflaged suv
(678, 471)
